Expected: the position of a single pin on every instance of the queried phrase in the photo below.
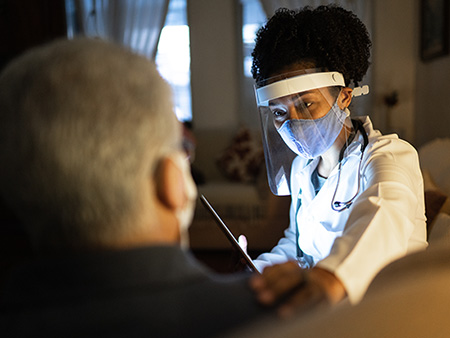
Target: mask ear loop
(349, 136)
(186, 213)
(347, 124)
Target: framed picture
(434, 27)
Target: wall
(214, 65)
(422, 112)
(28, 23)
(432, 107)
(394, 66)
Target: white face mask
(312, 138)
(186, 213)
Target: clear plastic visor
(299, 117)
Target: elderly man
(91, 164)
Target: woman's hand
(291, 288)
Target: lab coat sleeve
(384, 219)
(285, 250)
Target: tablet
(228, 234)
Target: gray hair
(81, 122)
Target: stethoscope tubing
(341, 206)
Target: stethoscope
(304, 260)
(341, 206)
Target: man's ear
(169, 183)
(345, 97)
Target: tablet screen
(228, 233)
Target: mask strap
(349, 140)
(185, 214)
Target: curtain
(133, 23)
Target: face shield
(299, 117)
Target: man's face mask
(186, 213)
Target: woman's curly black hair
(328, 36)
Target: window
(173, 57)
(253, 17)
(125, 22)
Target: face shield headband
(296, 84)
(299, 116)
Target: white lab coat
(386, 220)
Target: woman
(357, 196)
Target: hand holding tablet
(229, 234)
